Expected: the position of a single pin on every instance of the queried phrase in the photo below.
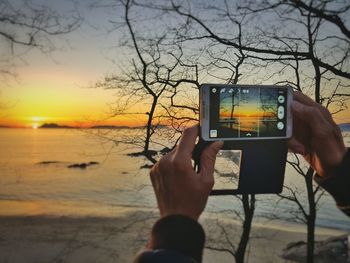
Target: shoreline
(48, 238)
(63, 209)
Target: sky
(58, 87)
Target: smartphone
(245, 112)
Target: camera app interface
(242, 112)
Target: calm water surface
(114, 186)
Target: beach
(103, 213)
(118, 239)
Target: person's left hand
(315, 135)
(178, 188)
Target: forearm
(337, 183)
(174, 237)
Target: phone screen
(247, 112)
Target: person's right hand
(315, 135)
(179, 189)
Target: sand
(104, 239)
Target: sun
(36, 121)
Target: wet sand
(105, 239)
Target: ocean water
(114, 186)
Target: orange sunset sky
(59, 94)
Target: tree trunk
(311, 217)
(249, 207)
(149, 127)
(317, 82)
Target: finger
(296, 147)
(207, 162)
(153, 173)
(302, 98)
(187, 141)
(312, 118)
(164, 163)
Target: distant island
(54, 126)
(58, 126)
(344, 127)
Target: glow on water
(116, 185)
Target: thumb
(207, 161)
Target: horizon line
(63, 126)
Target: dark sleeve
(338, 184)
(162, 256)
(174, 237)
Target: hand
(315, 135)
(178, 188)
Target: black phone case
(262, 165)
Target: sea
(35, 179)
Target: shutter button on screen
(280, 113)
(280, 125)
